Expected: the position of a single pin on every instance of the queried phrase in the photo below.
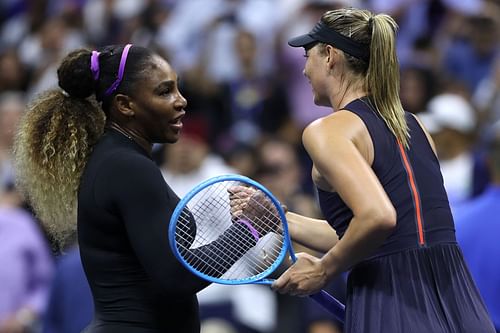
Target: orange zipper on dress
(415, 195)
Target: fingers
(304, 277)
(254, 206)
(238, 199)
(240, 191)
(285, 285)
(280, 285)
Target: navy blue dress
(417, 280)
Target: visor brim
(301, 41)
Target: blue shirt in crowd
(70, 307)
(477, 224)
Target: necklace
(136, 139)
(120, 130)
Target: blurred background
(248, 103)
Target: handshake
(254, 209)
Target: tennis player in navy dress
(380, 189)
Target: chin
(171, 139)
(168, 138)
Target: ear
(124, 105)
(332, 56)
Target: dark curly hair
(56, 135)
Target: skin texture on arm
(312, 233)
(332, 143)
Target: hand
(305, 277)
(253, 206)
(238, 198)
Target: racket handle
(331, 304)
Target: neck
(341, 100)
(348, 90)
(132, 135)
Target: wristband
(250, 227)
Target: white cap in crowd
(449, 111)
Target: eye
(165, 91)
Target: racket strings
(238, 255)
(268, 254)
(204, 261)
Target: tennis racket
(229, 236)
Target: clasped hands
(253, 206)
(307, 275)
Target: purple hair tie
(94, 64)
(121, 69)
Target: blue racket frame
(322, 297)
(259, 278)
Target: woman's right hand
(253, 206)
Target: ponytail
(380, 71)
(61, 126)
(382, 79)
(52, 145)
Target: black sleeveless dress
(417, 281)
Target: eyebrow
(168, 84)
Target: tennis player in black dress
(84, 154)
(388, 221)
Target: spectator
(487, 96)
(418, 86)
(11, 109)
(451, 120)
(477, 225)
(254, 103)
(191, 160)
(13, 74)
(70, 305)
(416, 19)
(27, 268)
(279, 169)
(471, 59)
(243, 159)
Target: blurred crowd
(247, 105)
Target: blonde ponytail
(382, 79)
(381, 71)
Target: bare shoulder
(340, 126)
(342, 122)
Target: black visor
(323, 33)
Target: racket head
(208, 205)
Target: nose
(180, 102)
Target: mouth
(176, 123)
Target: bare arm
(312, 233)
(334, 144)
(348, 172)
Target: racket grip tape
(331, 304)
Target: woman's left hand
(305, 277)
